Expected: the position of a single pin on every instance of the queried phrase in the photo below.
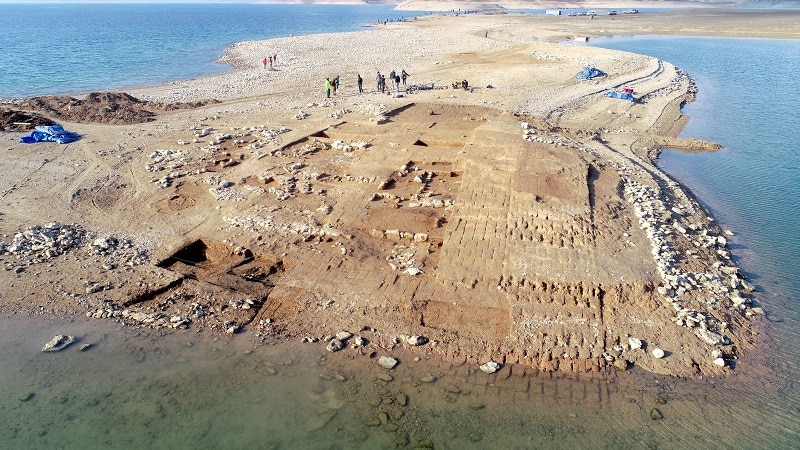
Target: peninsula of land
(491, 208)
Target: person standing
(391, 76)
(360, 84)
(328, 87)
(378, 82)
(383, 84)
(265, 62)
(403, 76)
(335, 84)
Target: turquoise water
(136, 389)
(68, 48)
(747, 102)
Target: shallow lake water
(136, 388)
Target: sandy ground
(521, 220)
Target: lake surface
(144, 389)
(68, 48)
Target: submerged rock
(60, 342)
(655, 414)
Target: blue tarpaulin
(623, 95)
(52, 133)
(590, 72)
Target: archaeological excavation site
(454, 232)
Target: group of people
(332, 85)
(463, 84)
(394, 77)
(269, 60)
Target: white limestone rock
(416, 340)
(344, 335)
(59, 342)
(489, 367)
(387, 362)
(711, 337)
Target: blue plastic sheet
(52, 133)
(589, 72)
(623, 95)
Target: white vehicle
(630, 11)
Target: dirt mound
(105, 107)
(11, 120)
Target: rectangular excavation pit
(201, 258)
(228, 285)
(218, 264)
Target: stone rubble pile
(350, 146)
(663, 226)
(226, 193)
(680, 80)
(165, 160)
(403, 259)
(307, 149)
(532, 135)
(174, 161)
(119, 251)
(260, 224)
(222, 189)
(180, 163)
(40, 243)
(195, 311)
(152, 320)
(374, 110)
